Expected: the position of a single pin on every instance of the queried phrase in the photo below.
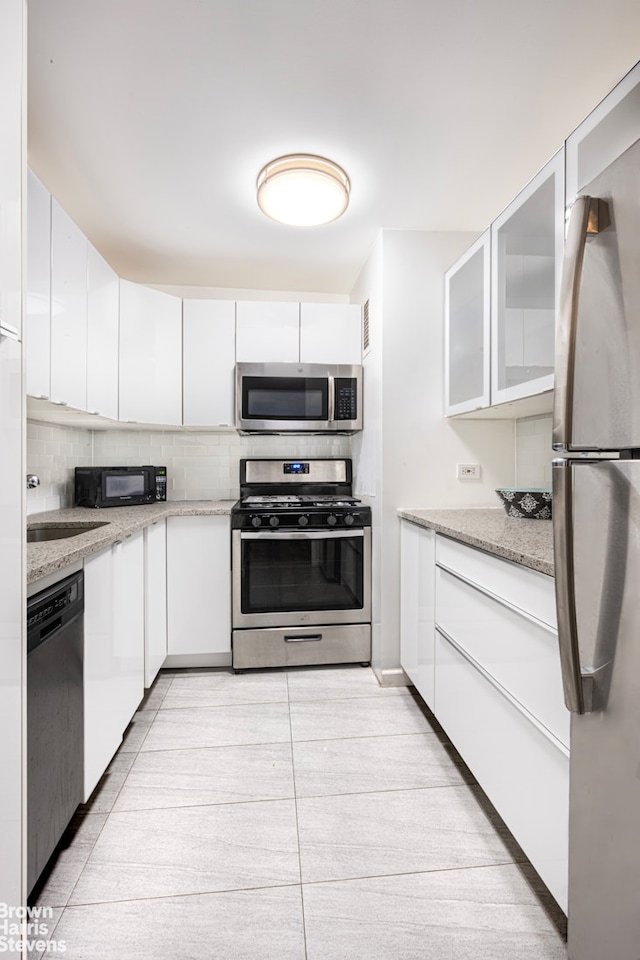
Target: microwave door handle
(588, 217)
(331, 398)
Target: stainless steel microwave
(298, 398)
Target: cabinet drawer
(520, 769)
(520, 654)
(527, 589)
(301, 646)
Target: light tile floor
(300, 815)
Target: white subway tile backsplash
(52, 453)
(199, 465)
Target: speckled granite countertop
(52, 555)
(528, 542)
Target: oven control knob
(256, 522)
(349, 520)
(274, 522)
(303, 521)
(332, 520)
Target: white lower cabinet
(478, 641)
(113, 651)
(417, 656)
(199, 590)
(155, 599)
(523, 771)
(520, 653)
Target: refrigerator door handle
(577, 687)
(588, 217)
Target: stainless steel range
(301, 565)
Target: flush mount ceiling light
(303, 190)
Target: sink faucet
(32, 481)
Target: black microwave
(298, 398)
(119, 486)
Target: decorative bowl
(532, 504)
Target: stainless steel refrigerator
(597, 554)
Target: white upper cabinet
(267, 332)
(467, 329)
(330, 333)
(526, 258)
(69, 249)
(102, 336)
(11, 124)
(606, 133)
(500, 306)
(208, 338)
(150, 356)
(38, 299)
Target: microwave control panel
(161, 483)
(346, 393)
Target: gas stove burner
(275, 499)
(315, 499)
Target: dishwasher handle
(51, 610)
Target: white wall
(533, 452)
(405, 434)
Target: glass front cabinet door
(467, 326)
(526, 256)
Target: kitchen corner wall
(533, 452)
(408, 452)
(200, 466)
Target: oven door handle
(302, 534)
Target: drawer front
(301, 646)
(527, 589)
(524, 775)
(522, 655)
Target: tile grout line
(417, 873)
(295, 802)
(185, 896)
(313, 796)
(106, 820)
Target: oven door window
(285, 398)
(281, 575)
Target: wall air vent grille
(366, 342)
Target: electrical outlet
(468, 471)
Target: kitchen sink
(42, 533)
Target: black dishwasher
(55, 712)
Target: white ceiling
(150, 119)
